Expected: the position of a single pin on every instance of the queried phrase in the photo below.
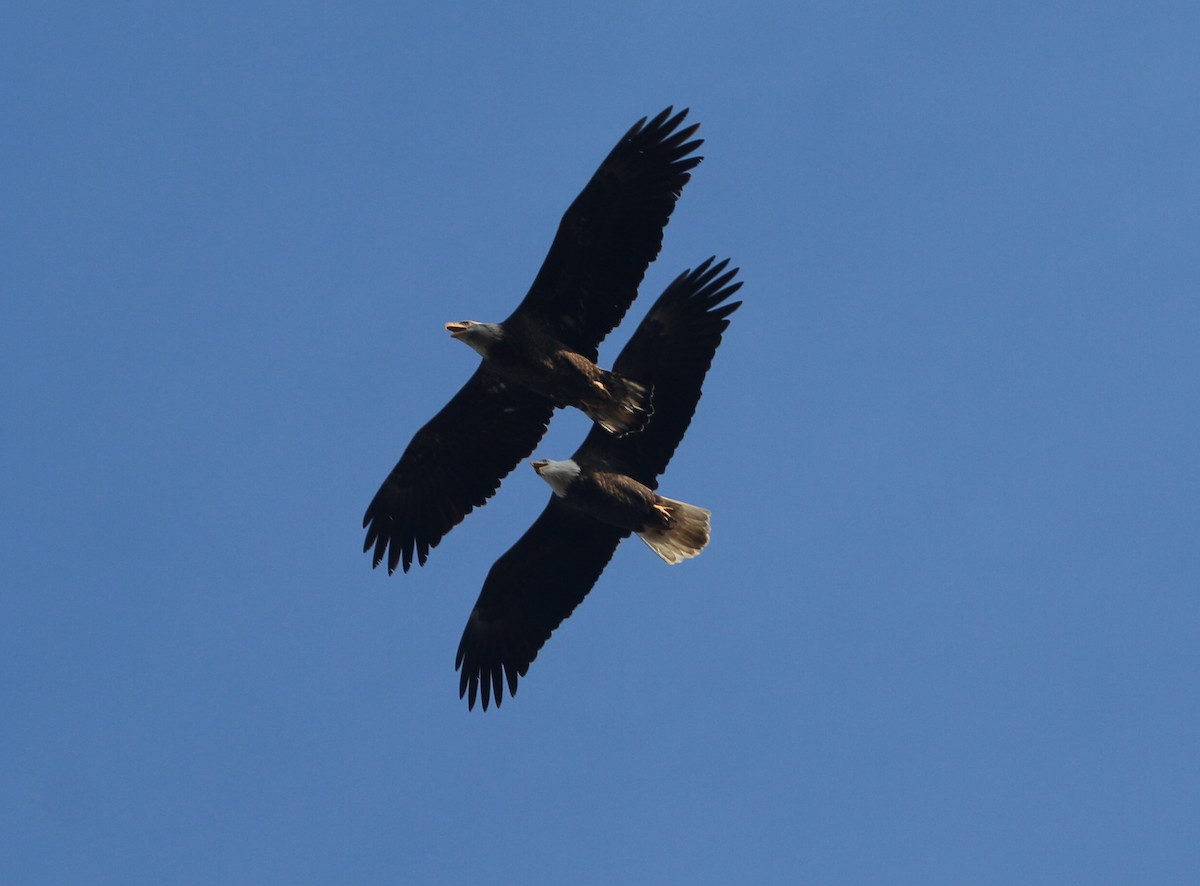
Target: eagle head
(480, 336)
(559, 474)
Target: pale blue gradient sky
(948, 629)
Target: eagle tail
(686, 534)
(620, 405)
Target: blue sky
(947, 630)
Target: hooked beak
(458, 328)
(539, 464)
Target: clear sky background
(948, 628)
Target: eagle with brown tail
(543, 356)
(603, 493)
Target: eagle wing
(540, 580)
(672, 349)
(453, 464)
(528, 593)
(610, 233)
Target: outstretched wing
(672, 349)
(540, 580)
(610, 234)
(528, 592)
(453, 464)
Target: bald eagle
(603, 493)
(543, 355)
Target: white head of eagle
(559, 474)
(480, 336)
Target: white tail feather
(687, 535)
(625, 410)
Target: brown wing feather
(453, 465)
(528, 593)
(610, 234)
(672, 350)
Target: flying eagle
(602, 493)
(543, 356)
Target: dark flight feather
(611, 233)
(540, 580)
(605, 241)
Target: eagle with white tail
(673, 529)
(543, 356)
(603, 493)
